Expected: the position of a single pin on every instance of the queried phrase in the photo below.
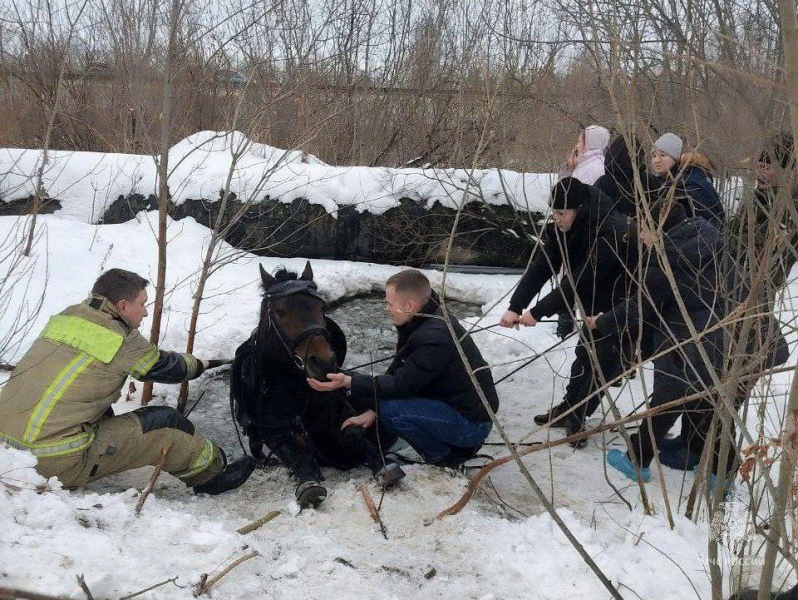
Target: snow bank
(87, 183)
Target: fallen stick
(514, 444)
(373, 509)
(209, 583)
(12, 593)
(152, 587)
(151, 483)
(259, 523)
(84, 587)
(200, 589)
(479, 475)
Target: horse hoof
(309, 494)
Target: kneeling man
(426, 397)
(57, 403)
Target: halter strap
(283, 290)
(293, 286)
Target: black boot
(387, 472)
(457, 456)
(573, 427)
(553, 416)
(389, 475)
(232, 476)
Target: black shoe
(673, 444)
(309, 494)
(232, 476)
(389, 475)
(552, 416)
(681, 459)
(573, 427)
(457, 456)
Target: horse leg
(295, 452)
(355, 437)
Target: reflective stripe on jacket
(72, 374)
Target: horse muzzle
(317, 368)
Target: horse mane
(282, 274)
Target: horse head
(292, 328)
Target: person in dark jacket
(426, 396)
(594, 244)
(692, 250)
(766, 222)
(618, 181)
(752, 240)
(688, 177)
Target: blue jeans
(431, 427)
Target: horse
(272, 401)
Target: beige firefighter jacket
(73, 373)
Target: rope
(534, 358)
(468, 332)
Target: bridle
(282, 290)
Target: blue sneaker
(620, 460)
(680, 459)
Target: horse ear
(268, 280)
(307, 274)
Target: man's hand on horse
(365, 420)
(336, 381)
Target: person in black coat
(596, 247)
(426, 396)
(618, 181)
(692, 250)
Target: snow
(87, 183)
(503, 544)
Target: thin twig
(151, 482)
(152, 587)
(373, 509)
(258, 523)
(209, 583)
(200, 589)
(84, 587)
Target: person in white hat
(587, 157)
